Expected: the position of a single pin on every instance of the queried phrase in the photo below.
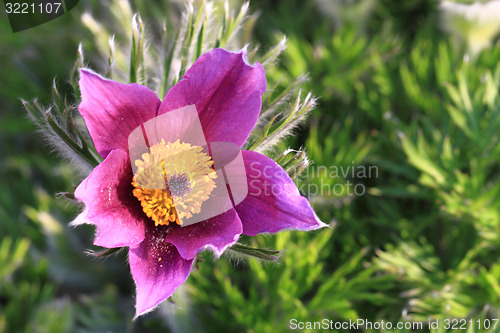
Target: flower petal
(227, 93)
(273, 202)
(109, 203)
(112, 110)
(216, 234)
(158, 270)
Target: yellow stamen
(172, 181)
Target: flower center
(172, 181)
(179, 185)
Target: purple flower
(226, 92)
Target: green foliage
(22, 282)
(264, 297)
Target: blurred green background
(410, 89)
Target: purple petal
(110, 204)
(216, 234)
(112, 110)
(158, 270)
(273, 202)
(226, 92)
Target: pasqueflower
(149, 186)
